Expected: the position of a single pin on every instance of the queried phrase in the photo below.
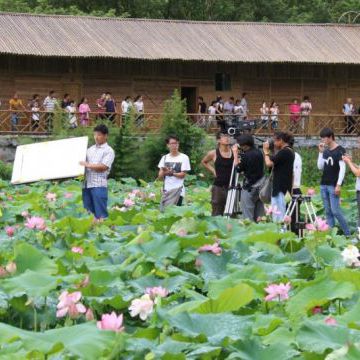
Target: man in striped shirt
(99, 159)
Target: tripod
(232, 206)
(294, 208)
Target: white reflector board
(49, 160)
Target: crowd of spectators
(76, 114)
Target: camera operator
(282, 163)
(251, 163)
(223, 162)
(331, 163)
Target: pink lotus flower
(10, 231)
(157, 291)
(311, 192)
(3, 272)
(214, 248)
(35, 222)
(77, 250)
(50, 196)
(142, 307)
(136, 192)
(317, 310)
(287, 219)
(111, 322)
(320, 225)
(269, 210)
(69, 304)
(152, 195)
(11, 267)
(89, 315)
(10, 198)
(129, 202)
(280, 291)
(25, 214)
(68, 195)
(181, 232)
(330, 321)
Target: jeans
(278, 204)
(14, 121)
(251, 205)
(95, 201)
(331, 203)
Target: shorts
(95, 201)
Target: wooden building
(85, 56)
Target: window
(222, 82)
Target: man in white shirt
(172, 169)
(49, 104)
(99, 159)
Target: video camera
(240, 126)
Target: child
(35, 115)
(84, 110)
(71, 109)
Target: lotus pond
(173, 285)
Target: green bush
(5, 171)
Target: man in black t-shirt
(333, 167)
(282, 164)
(251, 163)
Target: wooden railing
(151, 122)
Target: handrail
(150, 122)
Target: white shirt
(125, 106)
(98, 154)
(297, 171)
(178, 163)
(139, 105)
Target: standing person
(229, 110)
(305, 108)
(71, 110)
(251, 164)
(296, 190)
(110, 107)
(349, 111)
(264, 111)
(49, 106)
(126, 107)
(65, 101)
(100, 106)
(294, 109)
(35, 115)
(355, 169)
(34, 106)
(15, 104)
(219, 105)
(139, 108)
(244, 104)
(99, 159)
(219, 162)
(84, 110)
(333, 168)
(282, 164)
(239, 112)
(173, 168)
(274, 115)
(201, 111)
(212, 112)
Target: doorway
(189, 93)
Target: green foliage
(299, 11)
(5, 171)
(216, 306)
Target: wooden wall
(327, 85)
